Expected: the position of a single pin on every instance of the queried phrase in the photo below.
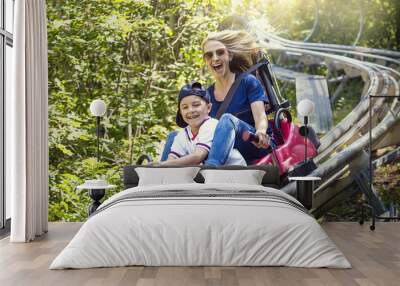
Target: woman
(227, 54)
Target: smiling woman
(239, 46)
(227, 54)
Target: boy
(192, 143)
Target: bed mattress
(201, 225)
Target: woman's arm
(261, 123)
(196, 158)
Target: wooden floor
(374, 255)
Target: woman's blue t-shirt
(248, 91)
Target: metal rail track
(342, 150)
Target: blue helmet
(190, 89)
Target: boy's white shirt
(185, 142)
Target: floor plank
(374, 255)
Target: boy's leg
(229, 129)
(168, 145)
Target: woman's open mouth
(217, 67)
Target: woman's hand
(261, 122)
(263, 139)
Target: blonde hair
(240, 44)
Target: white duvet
(183, 231)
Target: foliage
(348, 210)
(136, 55)
(349, 98)
(387, 180)
(339, 20)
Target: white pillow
(166, 176)
(248, 177)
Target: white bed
(139, 227)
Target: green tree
(135, 55)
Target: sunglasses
(219, 53)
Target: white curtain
(27, 161)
